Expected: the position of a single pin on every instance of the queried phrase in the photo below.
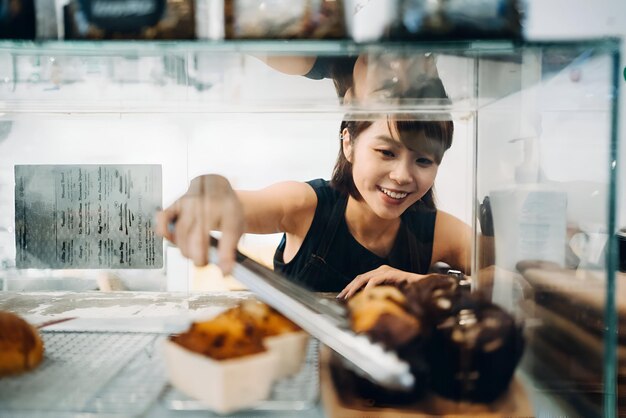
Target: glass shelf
(299, 47)
(66, 79)
(315, 47)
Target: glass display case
(532, 169)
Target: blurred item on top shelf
(210, 19)
(17, 19)
(129, 19)
(284, 19)
(31, 19)
(49, 19)
(374, 20)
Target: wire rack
(123, 374)
(100, 373)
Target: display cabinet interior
(531, 169)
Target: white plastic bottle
(529, 220)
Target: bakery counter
(104, 357)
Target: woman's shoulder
(448, 221)
(450, 230)
(324, 191)
(452, 242)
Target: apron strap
(332, 226)
(415, 247)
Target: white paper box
(290, 349)
(224, 386)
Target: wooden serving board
(345, 403)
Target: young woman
(374, 222)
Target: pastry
(267, 319)
(473, 352)
(433, 297)
(221, 338)
(381, 313)
(21, 347)
(457, 344)
(236, 332)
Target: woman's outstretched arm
(210, 204)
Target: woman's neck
(374, 233)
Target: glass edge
(610, 314)
(331, 47)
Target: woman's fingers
(199, 236)
(354, 286)
(232, 225)
(226, 215)
(199, 247)
(183, 228)
(210, 204)
(381, 275)
(344, 292)
(163, 220)
(375, 282)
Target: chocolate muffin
(474, 351)
(377, 396)
(434, 297)
(458, 344)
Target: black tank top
(330, 257)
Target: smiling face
(390, 175)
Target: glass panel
(213, 77)
(534, 133)
(544, 154)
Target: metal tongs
(324, 319)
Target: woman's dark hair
(341, 71)
(438, 135)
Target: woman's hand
(381, 275)
(210, 204)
